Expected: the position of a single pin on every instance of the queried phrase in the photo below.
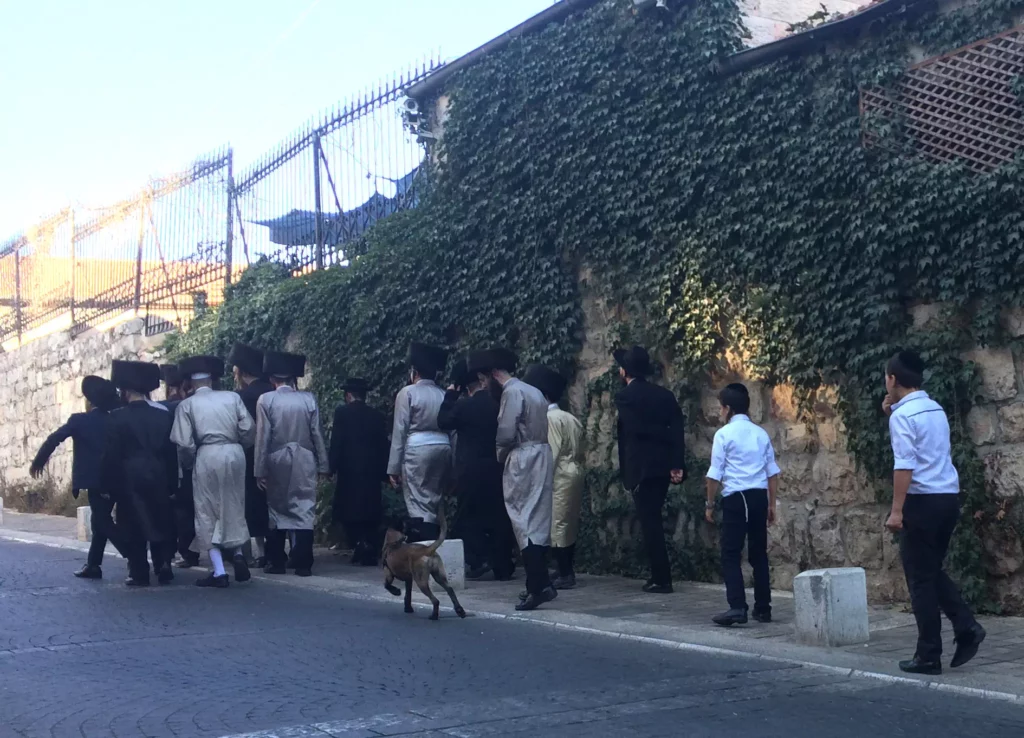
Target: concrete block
(85, 524)
(831, 606)
(454, 558)
(1, 510)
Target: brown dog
(408, 562)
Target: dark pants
(928, 524)
(363, 536)
(564, 560)
(502, 542)
(103, 529)
(185, 517)
(161, 553)
(302, 549)
(745, 517)
(536, 565)
(650, 499)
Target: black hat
(171, 375)
(247, 359)
(460, 375)
(356, 384)
(137, 376)
(100, 392)
(280, 364)
(636, 361)
(426, 359)
(548, 381)
(495, 358)
(211, 366)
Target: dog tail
(432, 549)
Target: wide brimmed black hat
(247, 359)
(281, 364)
(171, 375)
(548, 381)
(213, 366)
(100, 392)
(460, 375)
(495, 358)
(136, 376)
(636, 361)
(356, 384)
(426, 359)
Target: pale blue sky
(96, 96)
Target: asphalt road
(93, 659)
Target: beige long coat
(565, 436)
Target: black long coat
(87, 432)
(136, 468)
(359, 456)
(650, 429)
(257, 514)
(477, 469)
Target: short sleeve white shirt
(742, 457)
(919, 431)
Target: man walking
(87, 432)
(184, 504)
(925, 509)
(211, 428)
(565, 436)
(359, 463)
(652, 454)
(251, 385)
(290, 454)
(421, 453)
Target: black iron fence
(180, 240)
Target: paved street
(94, 660)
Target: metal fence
(179, 241)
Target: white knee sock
(218, 562)
(260, 550)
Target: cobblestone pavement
(93, 659)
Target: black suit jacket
(650, 426)
(359, 456)
(475, 419)
(87, 432)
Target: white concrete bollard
(831, 606)
(85, 523)
(454, 559)
(1, 510)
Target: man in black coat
(87, 432)
(471, 411)
(359, 460)
(184, 505)
(251, 384)
(652, 454)
(136, 467)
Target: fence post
(319, 205)
(138, 258)
(229, 241)
(17, 290)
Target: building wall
(768, 20)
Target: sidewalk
(614, 606)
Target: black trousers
(185, 517)
(564, 560)
(103, 529)
(745, 517)
(536, 565)
(928, 524)
(301, 553)
(364, 537)
(649, 497)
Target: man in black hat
(211, 430)
(652, 454)
(359, 463)
(421, 453)
(184, 505)
(290, 455)
(87, 432)
(137, 465)
(470, 411)
(251, 384)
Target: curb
(312, 583)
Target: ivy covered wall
(602, 184)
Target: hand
(771, 515)
(262, 483)
(396, 480)
(35, 471)
(677, 476)
(887, 404)
(895, 521)
(452, 387)
(709, 515)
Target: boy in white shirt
(925, 509)
(743, 465)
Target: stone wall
(40, 386)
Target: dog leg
(423, 582)
(441, 577)
(389, 585)
(408, 596)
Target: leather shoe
(220, 582)
(917, 666)
(241, 568)
(477, 572)
(164, 574)
(89, 572)
(303, 572)
(655, 588)
(137, 581)
(735, 616)
(967, 645)
(533, 601)
(260, 562)
(271, 569)
(564, 582)
(763, 616)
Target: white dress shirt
(919, 431)
(742, 456)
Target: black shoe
(478, 572)
(763, 616)
(271, 569)
(165, 575)
(967, 645)
(565, 582)
(241, 568)
(735, 616)
(917, 666)
(290, 564)
(523, 595)
(138, 581)
(220, 582)
(303, 572)
(89, 572)
(188, 563)
(655, 588)
(260, 562)
(533, 601)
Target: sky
(97, 96)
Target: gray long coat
(420, 451)
(290, 452)
(522, 444)
(210, 429)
